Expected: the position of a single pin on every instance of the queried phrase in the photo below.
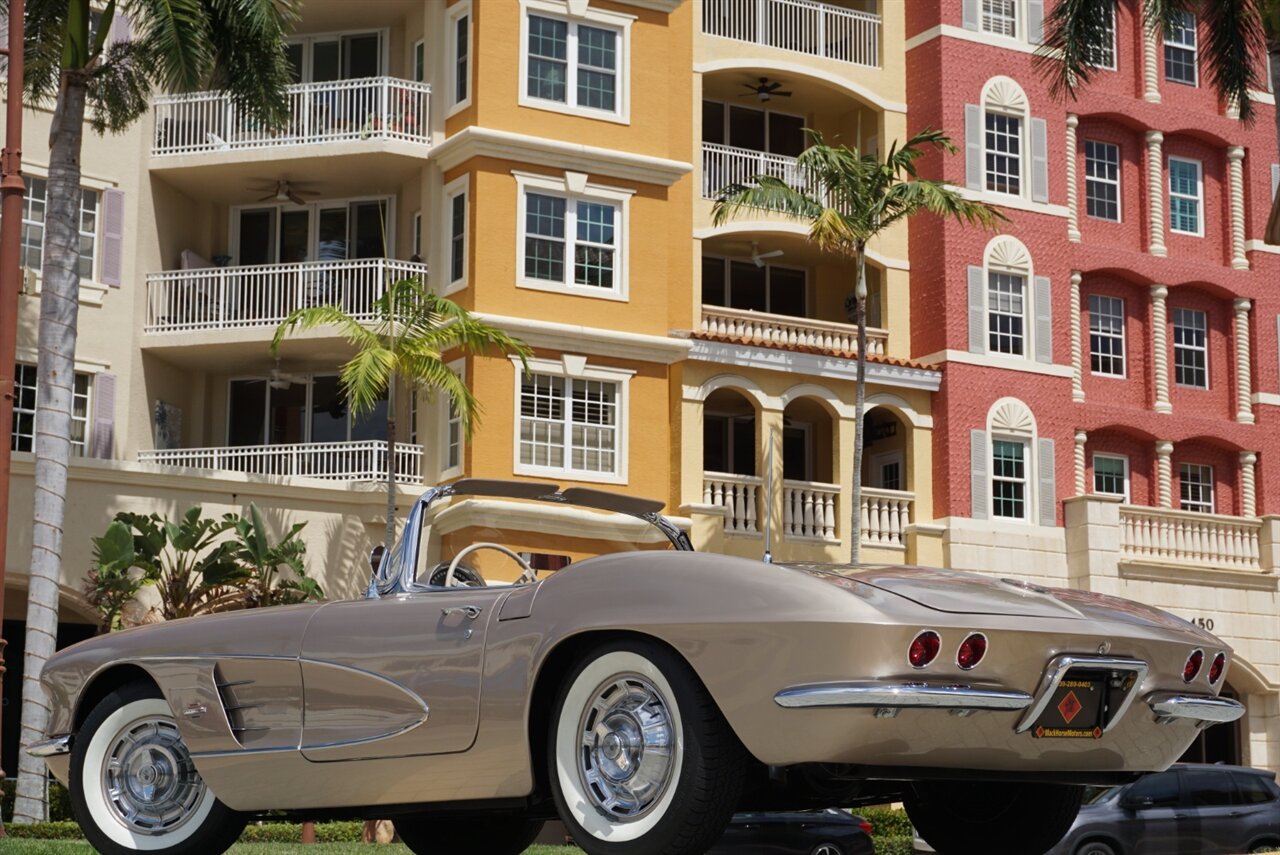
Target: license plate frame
(1077, 707)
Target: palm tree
(404, 346)
(177, 45)
(1239, 34)
(847, 198)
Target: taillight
(971, 651)
(865, 826)
(1192, 668)
(924, 649)
(1216, 667)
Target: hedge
(885, 822)
(59, 801)
(45, 831)
(896, 844)
(291, 832)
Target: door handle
(471, 612)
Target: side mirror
(375, 557)
(1137, 802)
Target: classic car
(643, 695)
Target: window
(1006, 313)
(1102, 180)
(1106, 335)
(1180, 50)
(1111, 475)
(569, 424)
(1190, 348)
(24, 410)
(332, 230)
(417, 234)
(33, 214)
(1004, 153)
(1104, 54)
(456, 210)
(453, 437)
(1195, 487)
(419, 61)
(557, 229)
(459, 18)
(574, 64)
(298, 409)
(740, 284)
(1252, 789)
(729, 443)
(1185, 193)
(1161, 789)
(338, 56)
(1008, 479)
(1000, 17)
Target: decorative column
(1077, 354)
(1248, 486)
(1082, 483)
(1244, 368)
(1235, 176)
(1160, 346)
(1164, 474)
(1155, 191)
(1150, 60)
(1073, 213)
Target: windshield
(1100, 795)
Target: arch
(1011, 416)
(904, 409)
(829, 400)
(810, 440)
(1254, 682)
(1008, 254)
(71, 602)
(848, 86)
(732, 381)
(1005, 94)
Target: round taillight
(924, 648)
(1192, 668)
(971, 651)
(1216, 667)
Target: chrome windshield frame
(397, 570)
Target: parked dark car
(810, 832)
(1191, 809)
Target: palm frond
(430, 373)
(177, 39)
(365, 377)
(766, 194)
(311, 317)
(1074, 32)
(1234, 47)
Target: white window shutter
(1035, 21)
(978, 465)
(103, 439)
(977, 310)
(972, 11)
(4, 38)
(1044, 319)
(1048, 484)
(973, 133)
(1039, 161)
(111, 270)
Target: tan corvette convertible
(641, 696)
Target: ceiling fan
(764, 90)
(284, 191)
(283, 380)
(758, 257)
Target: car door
(1151, 806)
(1257, 808)
(396, 676)
(1212, 822)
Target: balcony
(341, 111)
(768, 330)
(330, 461)
(739, 495)
(800, 26)
(809, 511)
(1162, 536)
(885, 517)
(228, 298)
(724, 165)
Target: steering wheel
(528, 574)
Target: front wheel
(641, 760)
(506, 834)
(134, 787)
(977, 818)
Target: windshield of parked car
(1101, 795)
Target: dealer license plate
(1075, 710)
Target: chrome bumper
(891, 696)
(55, 747)
(1206, 709)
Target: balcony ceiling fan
(283, 380)
(758, 257)
(283, 190)
(764, 90)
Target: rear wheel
(977, 818)
(1096, 847)
(493, 834)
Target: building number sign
(1205, 623)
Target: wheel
(493, 834)
(134, 787)
(827, 849)
(641, 762)
(1096, 847)
(976, 818)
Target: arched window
(1006, 150)
(1010, 311)
(1012, 468)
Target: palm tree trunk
(55, 378)
(391, 461)
(859, 406)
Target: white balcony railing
(1193, 539)
(338, 111)
(809, 510)
(766, 329)
(724, 165)
(332, 461)
(264, 295)
(739, 495)
(885, 516)
(802, 26)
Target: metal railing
(885, 516)
(264, 295)
(802, 26)
(365, 460)
(337, 111)
(809, 510)
(725, 165)
(739, 495)
(766, 329)
(1185, 537)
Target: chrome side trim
(1202, 708)
(1058, 668)
(901, 696)
(55, 747)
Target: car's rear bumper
(56, 753)
(1205, 709)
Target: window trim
(1212, 485)
(459, 367)
(81, 449)
(1115, 58)
(1173, 323)
(1010, 256)
(1124, 460)
(308, 40)
(1116, 183)
(1023, 120)
(453, 15)
(1194, 49)
(1199, 197)
(1026, 316)
(418, 53)
(1028, 479)
(460, 186)
(592, 17)
(1123, 337)
(571, 368)
(573, 186)
(1019, 21)
(86, 184)
(313, 208)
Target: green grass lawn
(72, 847)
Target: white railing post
(330, 461)
(1184, 537)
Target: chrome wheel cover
(627, 753)
(826, 849)
(148, 780)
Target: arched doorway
(729, 449)
(810, 494)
